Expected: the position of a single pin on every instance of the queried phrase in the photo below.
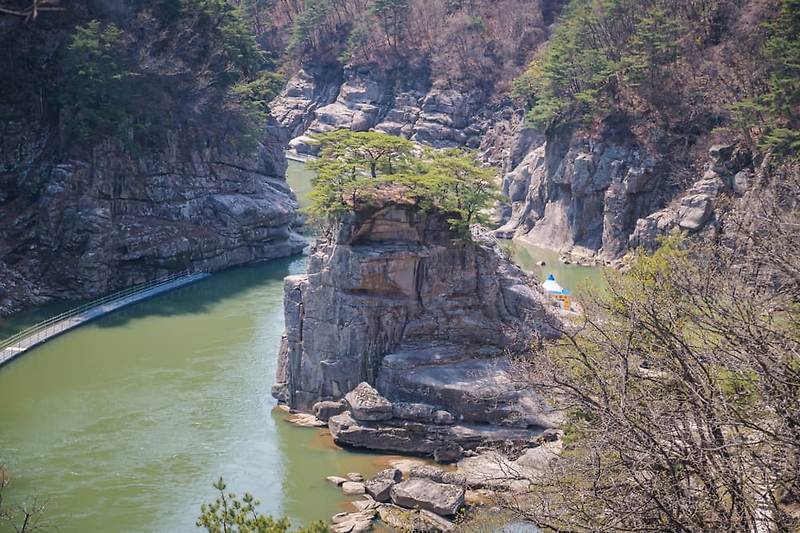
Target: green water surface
(576, 278)
(123, 424)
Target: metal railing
(58, 323)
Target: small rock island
(402, 333)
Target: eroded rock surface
(88, 227)
(364, 100)
(422, 493)
(411, 325)
(728, 172)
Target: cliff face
(592, 196)
(597, 197)
(80, 228)
(396, 301)
(321, 100)
(136, 157)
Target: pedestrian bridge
(56, 325)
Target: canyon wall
(592, 196)
(83, 227)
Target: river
(122, 425)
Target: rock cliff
(84, 227)
(363, 100)
(136, 157)
(600, 196)
(396, 301)
(590, 195)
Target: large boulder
(695, 211)
(416, 520)
(418, 412)
(353, 522)
(380, 485)
(421, 493)
(414, 438)
(367, 404)
(434, 473)
(326, 409)
(353, 488)
(449, 452)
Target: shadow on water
(200, 297)
(192, 299)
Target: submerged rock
(307, 421)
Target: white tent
(551, 286)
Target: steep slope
(138, 155)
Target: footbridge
(37, 334)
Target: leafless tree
(24, 517)
(681, 385)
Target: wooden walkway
(46, 330)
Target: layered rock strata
(364, 100)
(82, 228)
(411, 326)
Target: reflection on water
(299, 178)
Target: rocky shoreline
(412, 495)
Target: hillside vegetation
(682, 65)
(471, 44)
(133, 72)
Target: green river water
(123, 424)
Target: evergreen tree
(229, 514)
(356, 167)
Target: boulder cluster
(426, 500)
(366, 419)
